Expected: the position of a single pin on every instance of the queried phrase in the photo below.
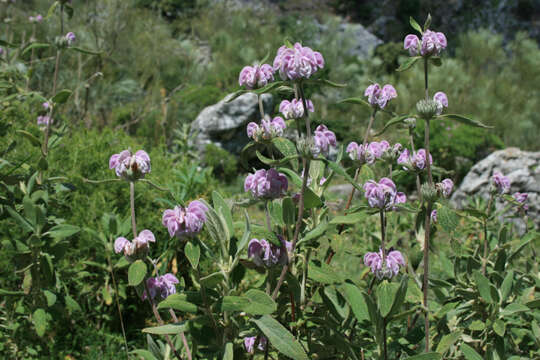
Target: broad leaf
(193, 253)
(408, 63)
(415, 25)
(483, 285)
(62, 96)
(40, 319)
(280, 338)
(169, 329)
(287, 149)
(356, 301)
(470, 353)
(136, 273)
(386, 293)
(178, 302)
(260, 303)
(464, 120)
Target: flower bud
(427, 108)
(429, 192)
(410, 122)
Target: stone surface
(224, 123)
(521, 167)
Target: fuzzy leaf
(280, 338)
(408, 63)
(470, 353)
(136, 273)
(193, 253)
(464, 120)
(415, 25)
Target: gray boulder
(224, 123)
(521, 167)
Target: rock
(224, 124)
(521, 167)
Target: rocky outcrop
(224, 123)
(521, 167)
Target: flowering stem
(486, 244)
(118, 305)
(184, 340)
(385, 349)
(418, 185)
(132, 207)
(383, 233)
(306, 116)
(267, 213)
(261, 108)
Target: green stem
(486, 242)
(132, 208)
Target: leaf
(22, 221)
(447, 341)
(193, 253)
(499, 327)
(428, 22)
(169, 329)
(71, 304)
(470, 353)
(340, 171)
(51, 297)
(436, 60)
(447, 218)
(178, 302)
(506, 286)
(400, 295)
(245, 238)
(275, 162)
(353, 296)
(356, 100)
(464, 120)
(426, 356)
(287, 149)
(408, 63)
(483, 285)
(136, 273)
(386, 293)
(323, 274)
(62, 231)
(84, 51)
(311, 200)
(260, 303)
(514, 308)
(393, 121)
(40, 319)
(51, 10)
(415, 25)
(145, 354)
(265, 89)
(353, 218)
(234, 303)
(222, 208)
(35, 46)
(228, 354)
(315, 233)
(280, 338)
(61, 96)
(33, 140)
(289, 211)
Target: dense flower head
(441, 100)
(294, 109)
(433, 43)
(70, 38)
(323, 139)
(445, 187)
(266, 184)
(44, 120)
(501, 183)
(130, 166)
(265, 253)
(267, 130)
(298, 62)
(378, 96)
(163, 286)
(417, 161)
(383, 195)
(36, 19)
(138, 248)
(186, 221)
(369, 153)
(521, 198)
(256, 76)
(249, 344)
(412, 44)
(389, 268)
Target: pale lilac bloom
(137, 248)
(355, 151)
(182, 221)
(265, 253)
(323, 139)
(433, 216)
(441, 100)
(412, 44)
(417, 161)
(267, 130)
(298, 62)
(267, 184)
(322, 181)
(500, 182)
(256, 76)
(163, 286)
(130, 166)
(46, 105)
(389, 269)
(433, 43)
(383, 195)
(378, 96)
(294, 109)
(445, 187)
(36, 19)
(44, 120)
(70, 38)
(521, 198)
(249, 344)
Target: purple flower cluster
(383, 195)
(521, 198)
(500, 183)
(298, 62)
(187, 221)
(249, 344)
(323, 139)
(387, 269)
(378, 96)
(267, 130)
(137, 248)
(433, 43)
(43, 121)
(164, 285)
(265, 253)
(373, 151)
(36, 19)
(256, 76)
(441, 100)
(128, 166)
(294, 109)
(417, 161)
(266, 184)
(70, 38)
(445, 187)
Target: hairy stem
(132, 207)
(383, 236)
(268, 220)
(184, 340)
(385, 348)
(261, 108)
(486, 242)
